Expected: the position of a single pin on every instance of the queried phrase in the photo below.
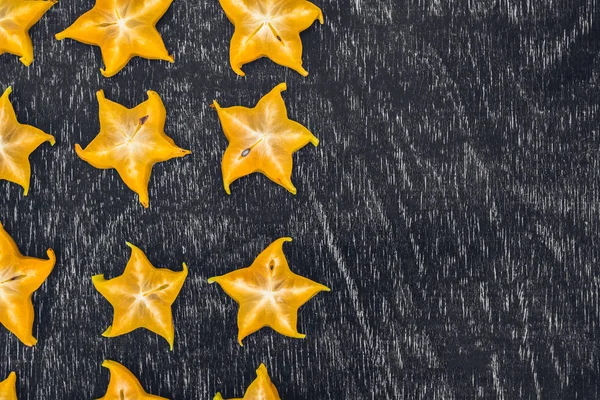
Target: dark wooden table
(452, 206)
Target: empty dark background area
(452, 206)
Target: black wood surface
(452, 206)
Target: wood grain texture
(452, 206)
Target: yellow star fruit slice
(8, 387)
(260, 389)
(20, 276)
(142, 297)
(123, 385)
(122, 29)
(131, 141)
(268, 293)
(17, 142)
(261, 139)
(269, 28)
(16, 18)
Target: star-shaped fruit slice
(269, 28)
(131, 141)
(260, 389)
(20, 276)
(122, 29)
(16, 18)
(268, 293)
(261, 139)
(142, 296)
(8, 387)
(123, 385)
(17, 142)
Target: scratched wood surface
(452, 206)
